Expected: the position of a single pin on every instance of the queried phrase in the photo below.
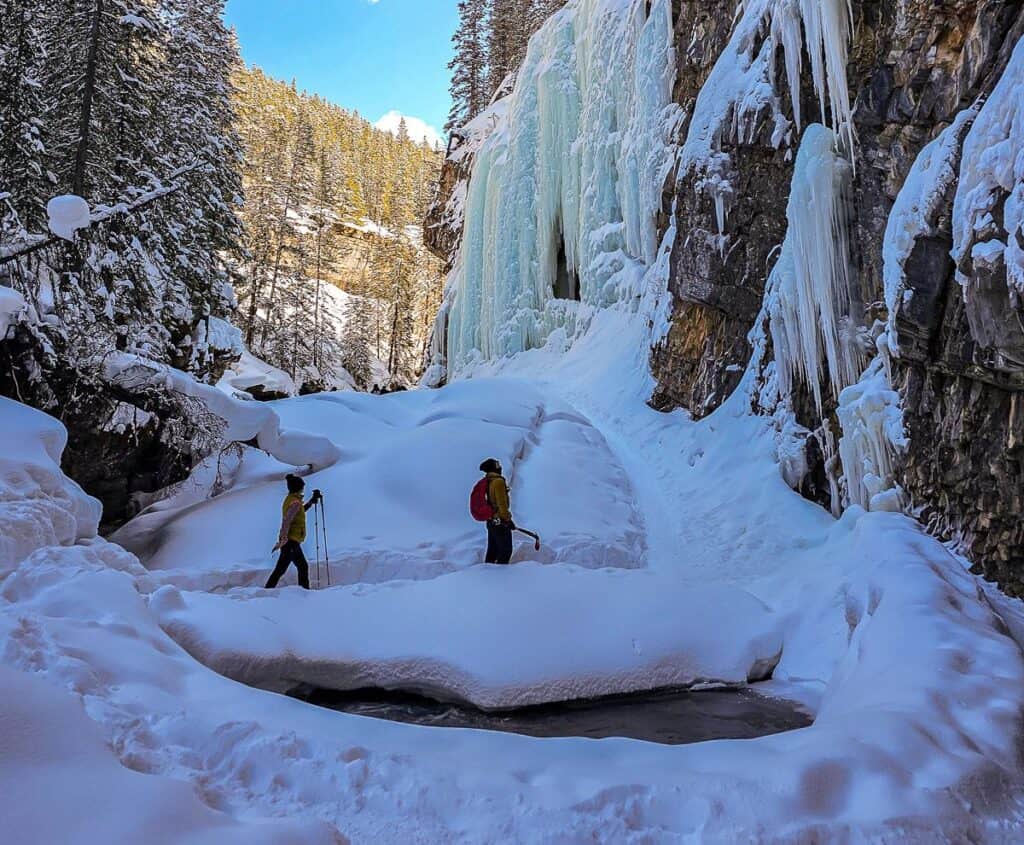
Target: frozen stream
(670, 717)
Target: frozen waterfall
(560, 215)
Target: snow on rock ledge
(243, 421)
(496, 637)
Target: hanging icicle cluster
(810, 293)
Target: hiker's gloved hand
(318, 496)
(279, 546)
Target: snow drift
(491, 637)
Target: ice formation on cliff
(810, 295)
(564, 194)
(742, 90)
(992, 168)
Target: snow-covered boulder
(495, 637)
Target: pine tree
(325, 250)
(355, 344)
(506, 40)
(468, 65)
(199, 133)
(22, 167)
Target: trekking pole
(323, 526)
(536, 537)
(316, 534)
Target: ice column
(810, 291)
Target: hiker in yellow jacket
(501, 526)
(293, 532)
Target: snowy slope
(397, 500)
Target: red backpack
(479, 503)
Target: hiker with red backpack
(489, 503)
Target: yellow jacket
(497, 495)
(294, 528)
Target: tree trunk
(88, 93)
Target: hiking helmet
(295, 484)
(490, 465)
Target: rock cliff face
(914, 66)
(914, 69)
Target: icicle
(810, 291)
(827, 25)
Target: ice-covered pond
(670, 717)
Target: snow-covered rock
(39, 505)
(242, 421)
(250, 372)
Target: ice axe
(536, 537)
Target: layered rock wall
(914, 66)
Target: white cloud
(419, 130)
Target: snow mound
(576, 633)
(67, 214)
(39, 505)
(62, 783)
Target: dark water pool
(669, 717)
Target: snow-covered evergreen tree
(200, 135)
(22, 105)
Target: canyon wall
(924, 104)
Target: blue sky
(375, 57)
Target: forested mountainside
(882, 328)
(140, 117)
(332, 200)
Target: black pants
(291, 552)
(499, 543)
